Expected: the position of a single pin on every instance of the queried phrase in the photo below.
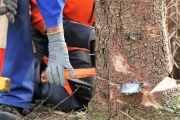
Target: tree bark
(132, 45)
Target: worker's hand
(58, 60)
(9, 9)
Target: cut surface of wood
(167, 83)
(165, 91)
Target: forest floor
(169, 111)
(97, 111)
(41, 112)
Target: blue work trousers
(19, 63)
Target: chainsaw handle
(3, 37)
(80, 73)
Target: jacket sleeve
(37, 21)
(51, 11)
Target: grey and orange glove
(58, 59)
(9, 9)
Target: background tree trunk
(133, 44)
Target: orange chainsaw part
(80, 73)
(2, 55)
(77, 48)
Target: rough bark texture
(131, 36)
(132, 45)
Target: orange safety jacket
(81, 11)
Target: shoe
(8, 112)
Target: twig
(127, 115)
(62, 102)
(37, 107)
(76, 111)
(81, 109)
(142, 119)
(36, 116)
(137, 109)
(172, 34)
(49, 118)
(65, 99)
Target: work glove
(9, 9)
(58, 60)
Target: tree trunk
(133, 44)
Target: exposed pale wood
(162, 93)
(167, 83)
(3, 28)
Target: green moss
(98, 112)
(173, 106)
